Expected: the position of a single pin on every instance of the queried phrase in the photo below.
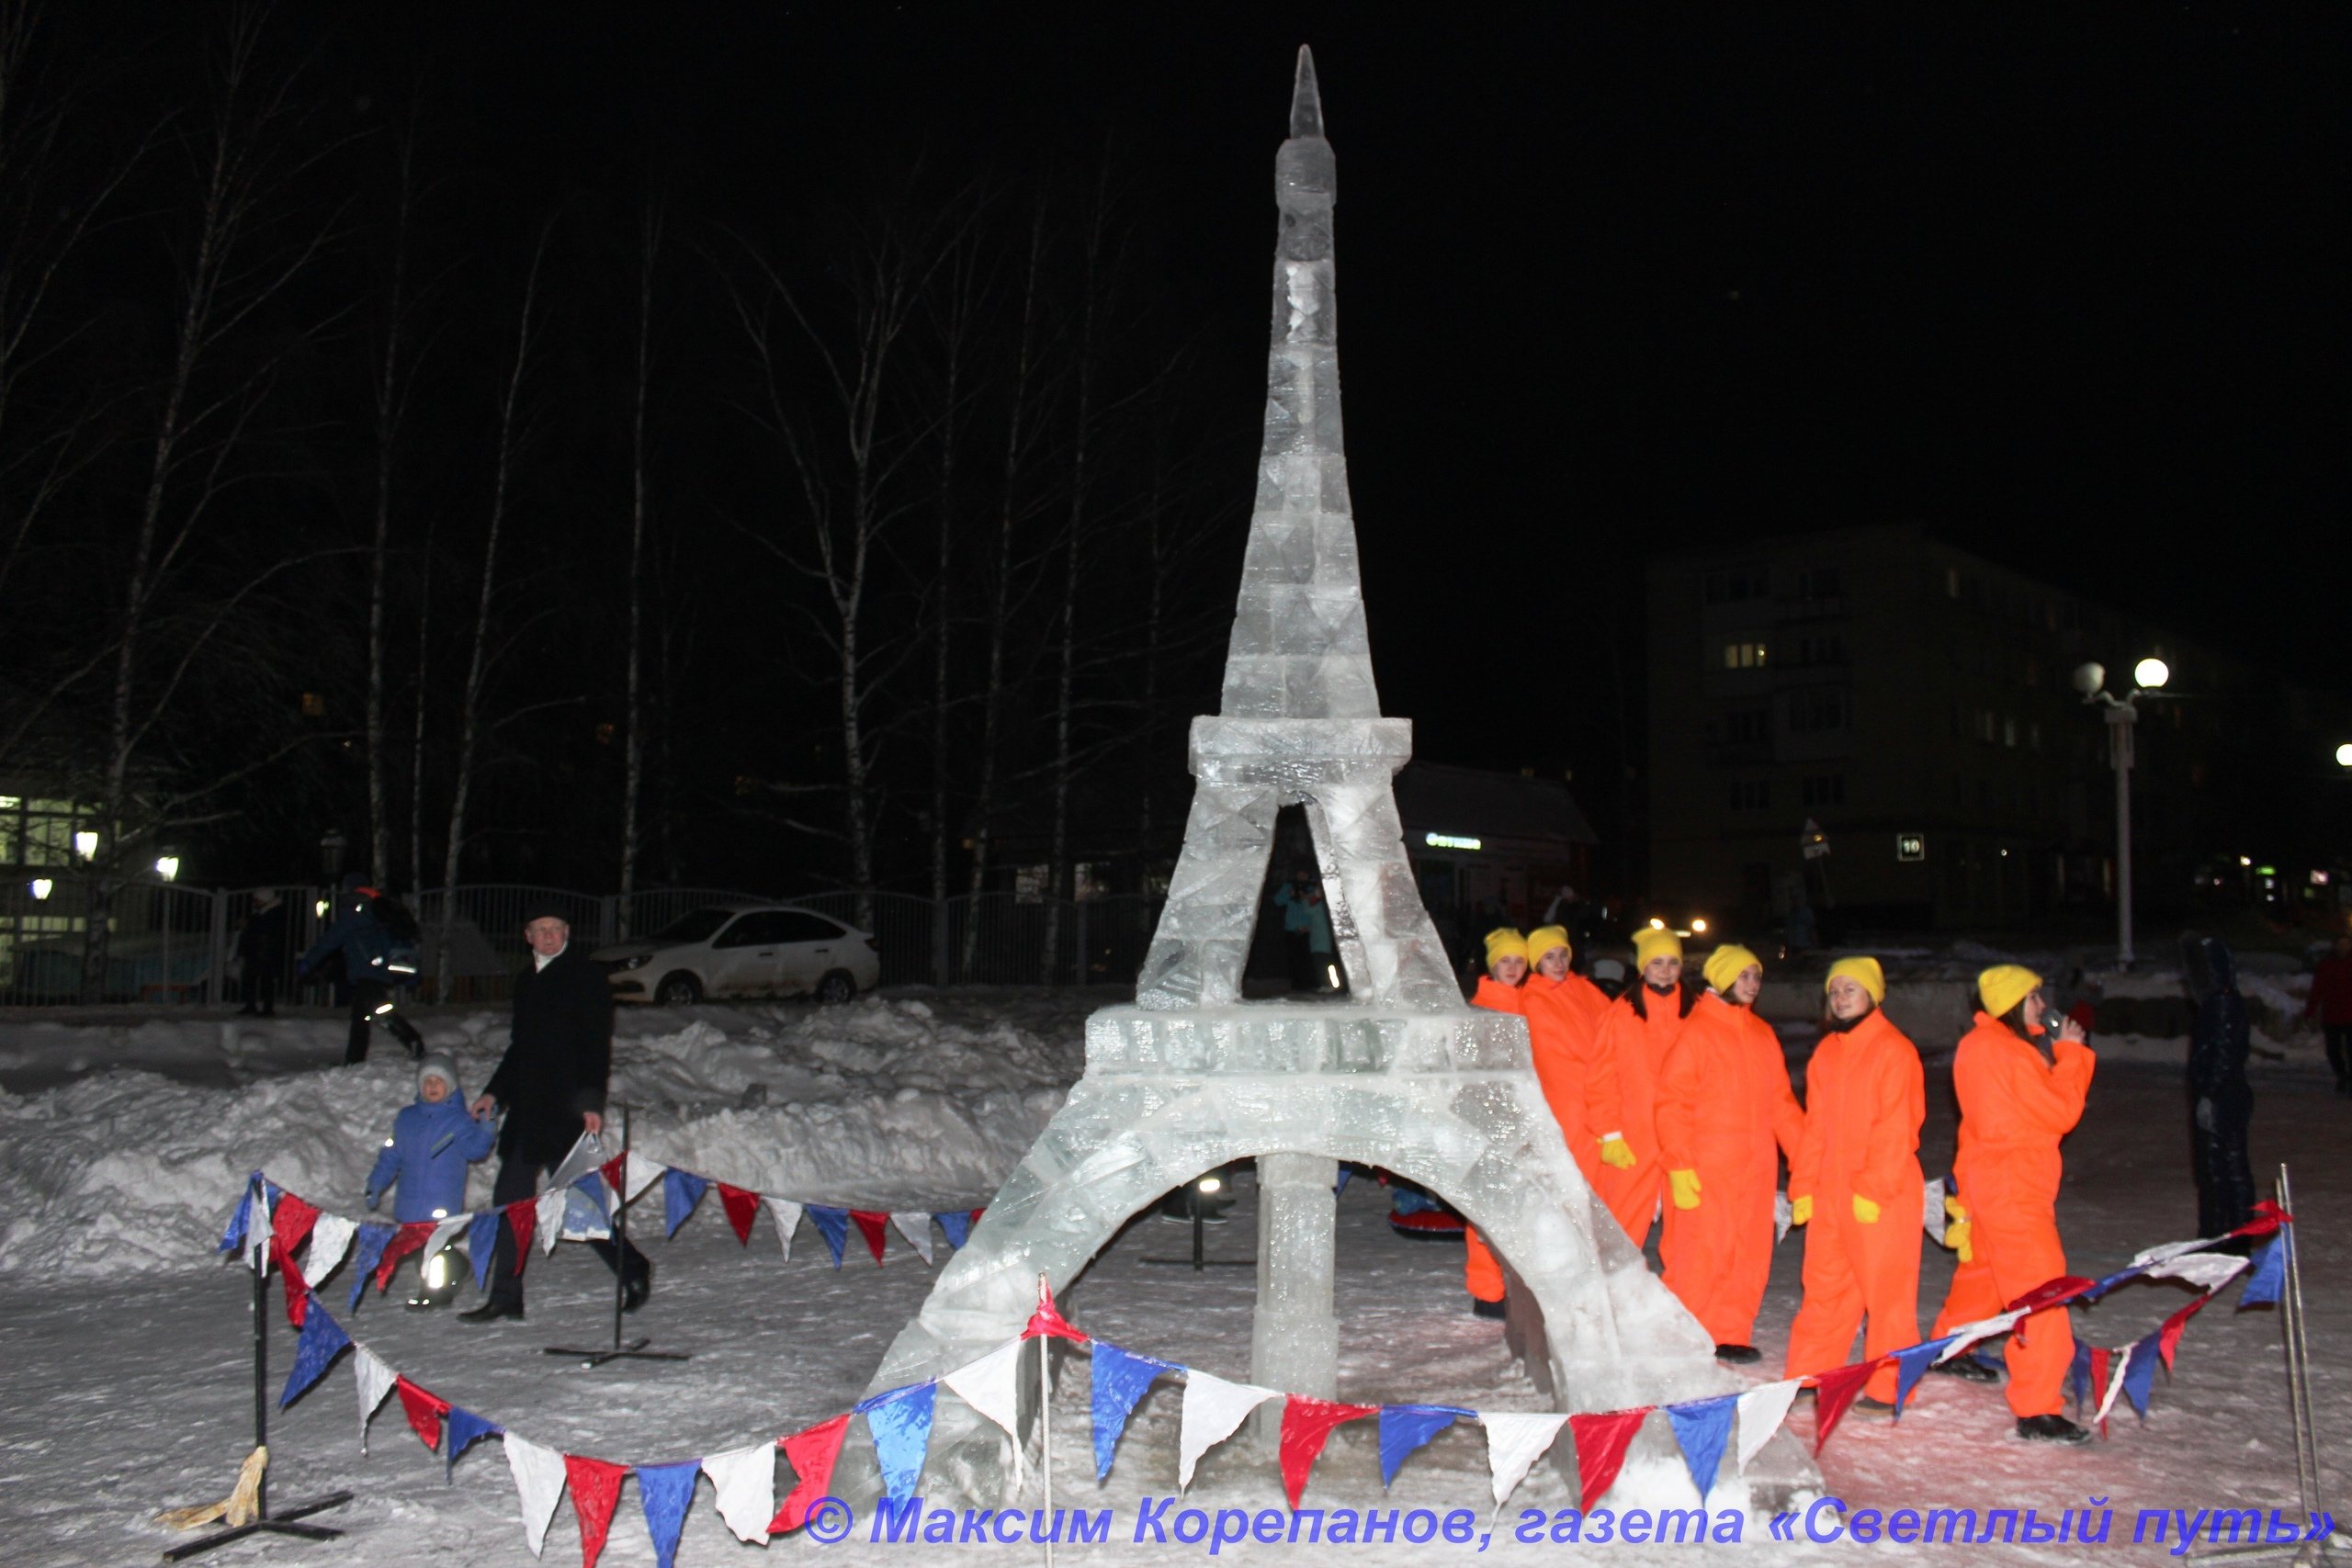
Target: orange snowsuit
(1629, 1049)
(1561, 1018)
(1724, 1102)
(2014, 1107)
(1482, 1273)
(1865, 1095)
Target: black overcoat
(559, 1057)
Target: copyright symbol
(829, 1521)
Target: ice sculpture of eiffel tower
(1400, 1074)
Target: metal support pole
(635, 1350)
(1044, 1415)
(215, 991)
(2120, 718)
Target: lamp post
(2121, 715)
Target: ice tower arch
(1400, 1074)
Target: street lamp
(2121, 714)
(169, 867)
(2344, 755)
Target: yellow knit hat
(1543, 939)
(2004, 985)
(1504, 941)
(1727, 963)
(1651, 943)
(1863, 971)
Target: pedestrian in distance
(551, 1084)
(1726, 1114)
(2220, 1100)
(2021, 1075)
(2331, 1003)
(260, 953)
(1855, 1184)
(375, 936)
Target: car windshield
(696, 927)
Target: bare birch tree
(648, 256)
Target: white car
(744, 950)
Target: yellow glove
(1616, 1152)
(1686, 1187)
(1801, 1211)
(1865, 1211)
(1956, 1233)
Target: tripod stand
(635, 1350)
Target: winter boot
(2051, 1429)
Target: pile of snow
(884, 1103)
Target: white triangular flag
(642, 1173)
(1213, 1408)
(1513, 1443)
(2122, 1360)
(1761, 1411)
(255, 1251)
(548, 1221)
(991, 1385)
(1931, 1209)
(2209, 1271)
(330, 1240)
(1783, 1217)
(786, 1214)
(443, 1235)
(2172, 1250)
(745, 1480)
(538, 1484)
(375, 1382)
(1968, 1334)
(915, 1225)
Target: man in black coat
(552, 1084)
(2220, 1100)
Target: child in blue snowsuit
(433, 1141)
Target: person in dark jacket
(2331, 1003)
(366, 948)
(260, 952)
(2220, 1101)
(551, 1083)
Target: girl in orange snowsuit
(1724, 1102)
(2015, 1106)
(1564, 1008)
(1498, 991)
(1629, 1049)
(1855, 1184)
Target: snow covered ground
(128, 1365)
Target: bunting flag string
(899, 1420)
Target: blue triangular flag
(1404, 1427)
(1342, 1185)
(373, 1239)
(2268, 1273)
(681, 1191)
(234, 1236)
(481, 1243)
(957, 1223)
(834, 1225)
(592, 1187)
(2117, 1277)
(464, 1428)
(322, 1340)
(1700, 1430)
(2141, 1374)
(1120, 1378)
(2078, 1375)
(1911, 1365)
(900, 1424)
(666, 1491)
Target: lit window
(314, 705)
(1743, 656)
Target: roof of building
(1475, 802)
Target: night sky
(2066, 283)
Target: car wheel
(836, 988)
(680, 990)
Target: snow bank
(887, 1102)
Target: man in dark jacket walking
(377, 966)
(260, 952)
(2220, 1100)
(552, 1084)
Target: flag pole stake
(287, 1522)
(1045, 1408)
(635, 1350)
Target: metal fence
(169, 944)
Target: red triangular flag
(1833, 1391)
(523, 1219)
(1048, 1321)
(405, 1240)
(424, 1411)
(811, 1454)
(290, 1222)
(2268, 1217)
(874, 1227)
(743, 1207)
(1601, 1442)
(613, 1171)
(2051, 1292)
(596, 1492)
(2168, 1336)
(1306, 1426)
(2100, 1358)
(298, 1295)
